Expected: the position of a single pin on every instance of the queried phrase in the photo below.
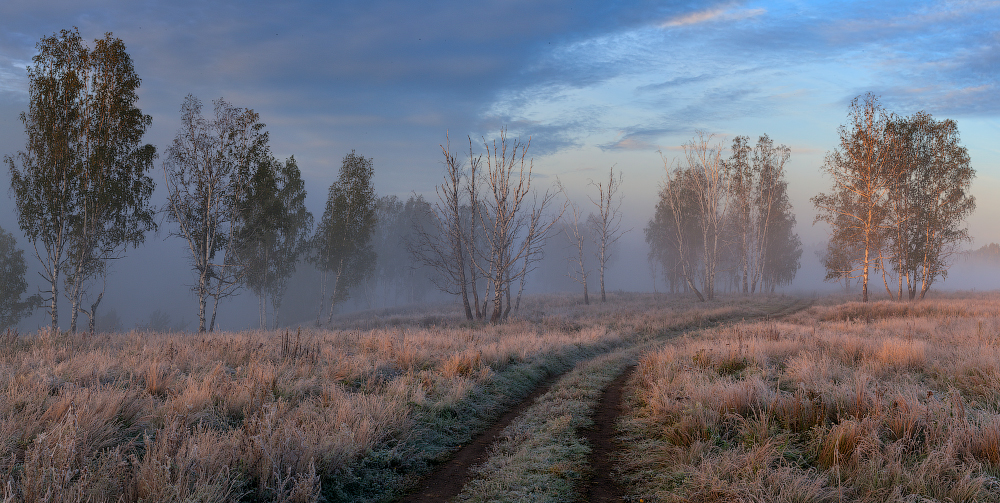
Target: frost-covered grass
(341, 415)
(846, 402)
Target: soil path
(603, 485)
(448, 479)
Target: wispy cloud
(12, 75)
(709, 15)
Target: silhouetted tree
(607, 222)
(578, 235)
(515, 227)
(342, 243)
(446, 243)
(12, 283)
(398, 276)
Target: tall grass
(897, 403)
(343, 415)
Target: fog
(151, 286)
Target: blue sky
(593, 83)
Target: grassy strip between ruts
(540, 457)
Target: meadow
(743, 399)
(358, 413)
(840, 402)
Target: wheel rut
(448, 479)
(603, 486)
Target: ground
(646, 397)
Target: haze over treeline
(491, 231)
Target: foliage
(13, 284)
(274, 231)
(930, 202)
(82, 187)
(899, 198)
(342, 244)
(734, 216)
(207, 171)
(762, 225)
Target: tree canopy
(81, 184)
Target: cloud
(629, 144)
(639, 138)
(709, 15)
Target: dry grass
(900, 403)
(340, 415)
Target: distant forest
(988, 254)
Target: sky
(593, 84)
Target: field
(847, 402)
(743, 399)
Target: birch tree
(342, 245)
(930, 201)
(207, 170)
(857, 206)
(607, 222)
(515, 226)
(81, 185)
(447, 243)
(578, 237)
(675, 234)
(710, 185)
(274, 231)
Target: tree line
(82, 187)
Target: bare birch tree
(607, 222)
(448, 245)
(675, 235)
(508, 182)
(578, 237)
(497, 238)
(711, 187)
